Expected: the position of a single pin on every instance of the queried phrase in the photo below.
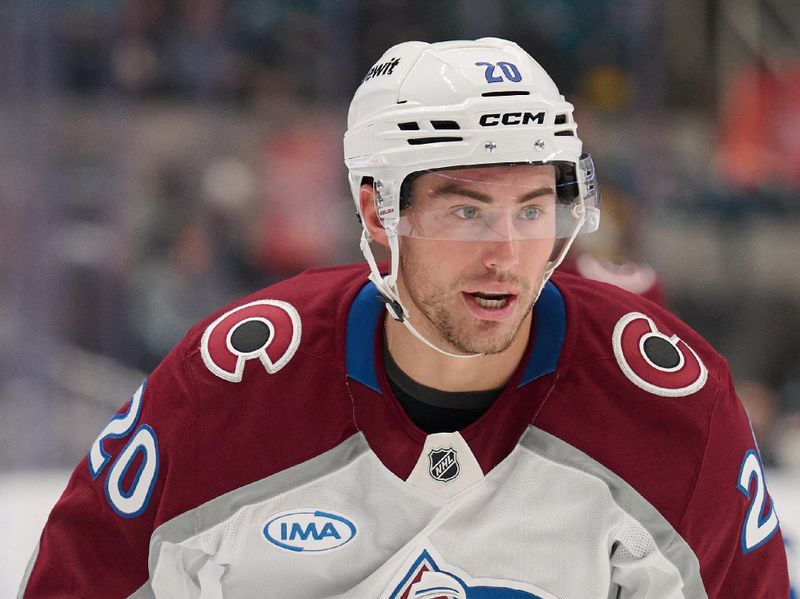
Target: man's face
(474, 249)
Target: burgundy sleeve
(730, 521)
(138, 473)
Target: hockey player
(453, 425)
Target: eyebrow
(455, 189)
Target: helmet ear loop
(558, 249)
(387, 218)
(563, 244)
(387, 285)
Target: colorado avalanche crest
(428, 577)
(268, 330)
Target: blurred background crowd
(159, 158)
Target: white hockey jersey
(267, 457)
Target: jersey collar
(367, 310)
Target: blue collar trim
(362, 322)
(550, 326)
(367, 310)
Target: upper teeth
(486, 302)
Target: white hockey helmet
(424, 107)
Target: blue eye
(466, 212)
(530, 213)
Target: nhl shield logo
(443, 464)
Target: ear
(369, 215)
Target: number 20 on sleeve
(131, 501)
(758, 526)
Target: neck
(434, 369)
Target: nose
(501, 251)
(501, 255)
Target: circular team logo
(268, 330)
(651, 360)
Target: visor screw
(379, 200)
(490, 146)
(378, 184)
(539, 144)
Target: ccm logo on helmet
(511, 118)
(268, 330)
(662, 365)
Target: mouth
(490, 305)
(492, 301)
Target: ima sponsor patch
(427, 576)
(660, 364)
(268, 330)
(309, 530)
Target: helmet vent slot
(496, 94)
(409, 126)
(566, 133)
(445, 125)
(432, 140)
(561, 119)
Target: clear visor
(491, 203)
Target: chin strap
(387, 286)
(580, 212)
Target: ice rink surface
(26, 499)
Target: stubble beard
(470, 335)
(486, 341)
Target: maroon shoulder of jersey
(268, 378)
(647, 397)
(620, 397)
(247, 393)
(253, 389)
